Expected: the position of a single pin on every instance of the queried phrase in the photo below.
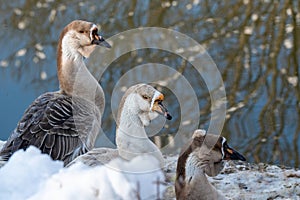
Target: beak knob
(231, 154)
(99, 40)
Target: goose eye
(81, 31)
(145, 97)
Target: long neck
(129, 121)
(193, 167)
(74, 78)
(201, 187)
(191, 179)
(131, 137)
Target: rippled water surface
(254, 44)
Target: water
(253, 43)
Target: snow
(32, 175)
(241, 180)
(258, 182)
(25, 173)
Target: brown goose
(204, 155)
(65, 123)
(140, 104)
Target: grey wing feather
(96, 157)
(50, 125)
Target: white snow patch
(32, 175)
(25, 173)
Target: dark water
(253, 43)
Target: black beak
(164, 111)
(99, 40)
(231, 154)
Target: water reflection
(254, 44)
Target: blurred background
(255, 45)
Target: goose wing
(96, 157)
(59, 125)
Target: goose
(65, 123)
(204, 155)
(139, 105)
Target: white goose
(140, 104)
(204, 155)
(64, 124)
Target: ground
(242, 180)
(32, 175)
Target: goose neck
(193, 167)
(130, 123)
(74, 77)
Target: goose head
(211, 150)
(79, 39)
(203, 155)
(206, 153)
(143, 103)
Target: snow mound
(32, 175)
(25, 173)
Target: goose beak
(231, 154)
(161, 109)
(99, 40)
